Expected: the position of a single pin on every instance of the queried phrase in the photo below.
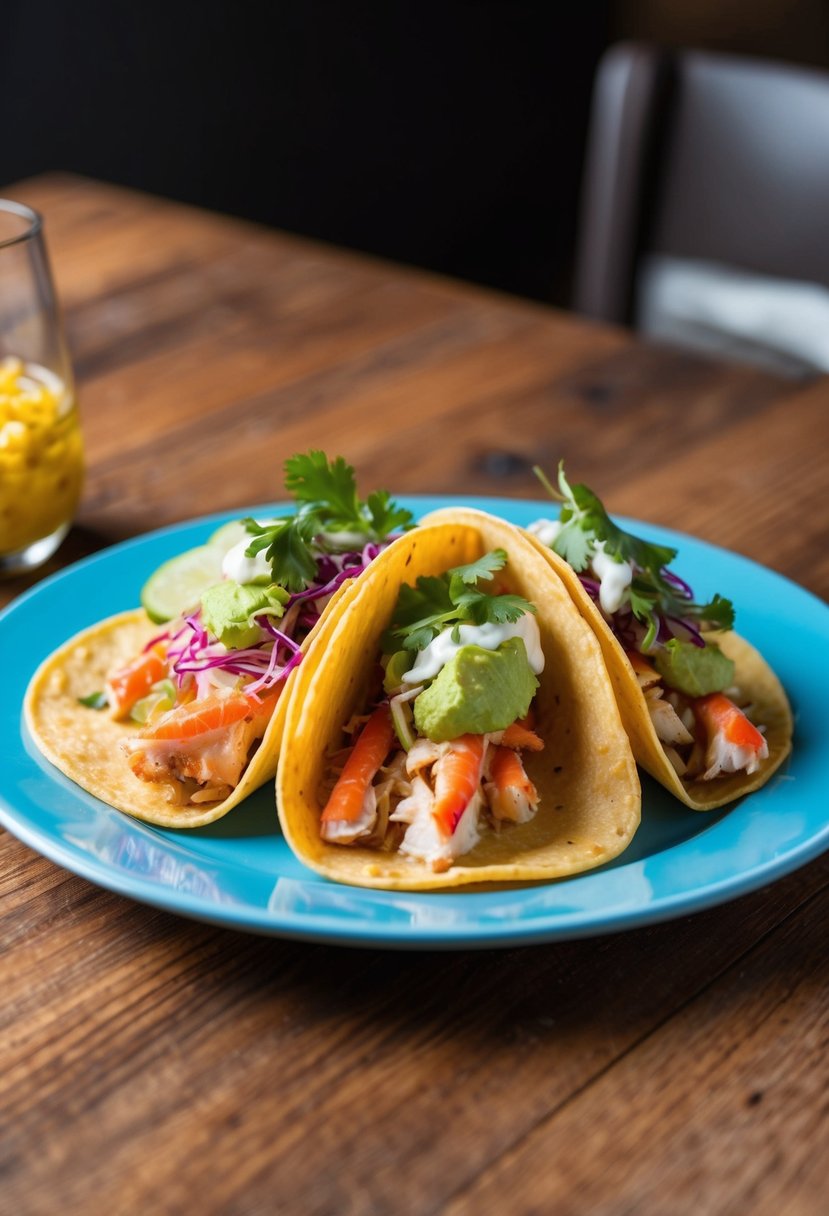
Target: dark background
(448, 135)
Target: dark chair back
(705, 160)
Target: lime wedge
(228, 535)
(177, 586)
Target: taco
(176, 725)
(459, 726)
(706, 715)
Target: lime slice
(178, 585)
(228, 535)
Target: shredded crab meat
(724, 757)
(668, 726)
(647, 678)
(420, 798)
(423, 754)
(511, 805)
(687, 747)
(424, 840)
(674, 758)
(399, 811)
(362, 828)
(392, 786)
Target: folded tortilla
(586, 775)
(85, 743)
(752, 675)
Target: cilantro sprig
(453, 598)
(656, 596)
(326, 498)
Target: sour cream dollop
(614, 578)
(489, 637)
(546, 530)
(242, 569)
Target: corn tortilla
(85, 743)
(753, 676)
(586, 776)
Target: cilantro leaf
(584, 512)
(480, 609)
(317, 482)
(386, 516)
(452, 599)
(501, 609)
(287, 547)
(419, 637)
(720, 613)
(95, 700)
(421, 612)
(327, 502)
(429, 598)
(574, 544)
(657, 598)
(485, 567)
(328, 490)
(643, 603)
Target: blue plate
(239, 872)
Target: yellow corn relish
(41, 454)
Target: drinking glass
(41, 455)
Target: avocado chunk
(478, 691)
(694, 670)
(227, 611)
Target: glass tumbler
(41, 455)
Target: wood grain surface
(150, 1064)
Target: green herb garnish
(95, 700)
(653, 596)
(454, 598)
(327, 502)
(161, 697)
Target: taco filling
(438, 761)
(460, 726)
(701, 716)
(201, 693)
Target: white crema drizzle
(441, 649)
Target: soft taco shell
(586, 775)
(85, 744)
(752, 675)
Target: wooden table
(150, 1064)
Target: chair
(705, 208)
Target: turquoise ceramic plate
(239, 872)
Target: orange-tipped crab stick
(519, 736)
(345, 805)
(511, 793)
(721, 716)
(457, 778)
